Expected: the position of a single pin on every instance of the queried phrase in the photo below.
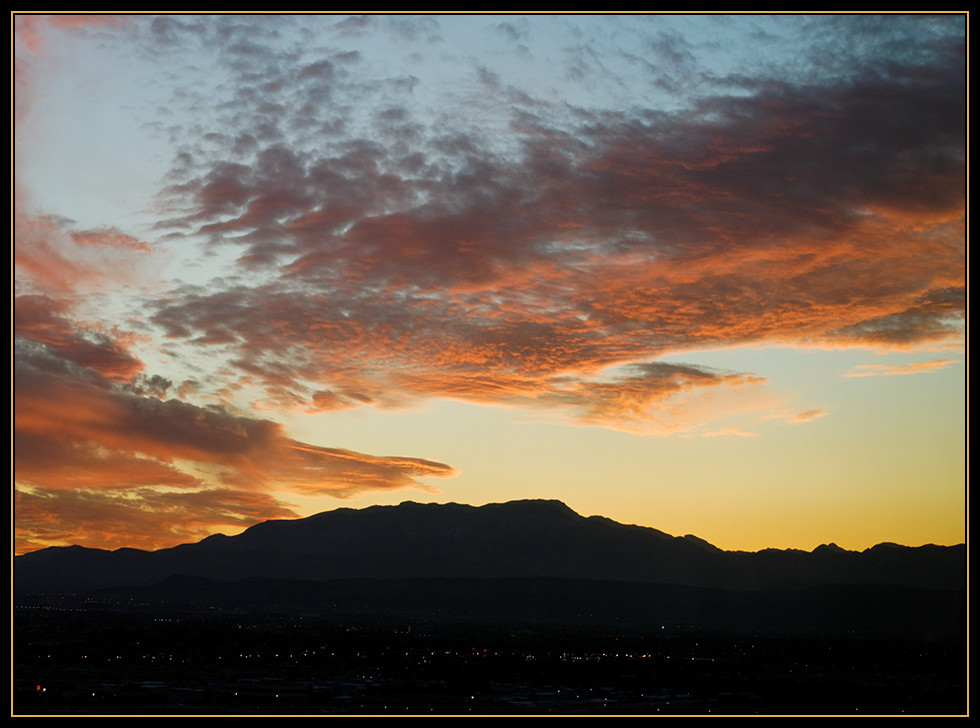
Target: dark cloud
(804, 211)
(935, 316)
(44, 322)
(784, 161)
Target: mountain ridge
(524, 538)
(831, 546)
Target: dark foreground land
(106, 657)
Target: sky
(702, 273)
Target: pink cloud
(730, 431)
(31, 29)
(808, 415)
(50, 256)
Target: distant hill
(518, 539)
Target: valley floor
(77, 659)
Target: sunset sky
(703, 273)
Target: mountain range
(531, 538)
(429, 555)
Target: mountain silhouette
(514, 540)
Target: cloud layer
(399, 220)
(804, 213)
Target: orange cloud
(730, 431)
(511, 339)
(881, 370)
(97, 446)
(147, 518)
(107, 424)
(341, 473)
